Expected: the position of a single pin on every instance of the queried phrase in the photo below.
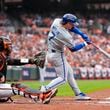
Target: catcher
(9, 90)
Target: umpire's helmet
(70, 18)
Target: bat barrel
(101, 50)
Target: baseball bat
(101, 50)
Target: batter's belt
(54, 51)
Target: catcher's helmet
(70, 18)
(5, 43)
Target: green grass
(87, 86)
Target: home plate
(106, 101)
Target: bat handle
(94, 45)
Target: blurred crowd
(28, 33)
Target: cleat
(46, 97)
(82, 97)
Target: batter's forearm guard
(83, 35)
(78, 46)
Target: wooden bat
(101, 50)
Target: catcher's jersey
(6, 60)
(59, 37)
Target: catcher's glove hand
(39, 59)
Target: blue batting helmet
(70, 18)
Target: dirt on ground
(100, 101)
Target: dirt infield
(100, 101)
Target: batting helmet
(70, 18)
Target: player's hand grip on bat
(88, 41)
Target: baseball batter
(59, 37)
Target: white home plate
(106, 101)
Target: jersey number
(54, 33)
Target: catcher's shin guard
(22, 90)
(36, 95)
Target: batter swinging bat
(101, 50)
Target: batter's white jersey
(59, 37)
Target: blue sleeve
(78, 47)
(78, 31)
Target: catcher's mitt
(39, 59)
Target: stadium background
(27, 23)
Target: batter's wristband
(85, 43)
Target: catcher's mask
(5, 44)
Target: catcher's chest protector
(2, 62)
